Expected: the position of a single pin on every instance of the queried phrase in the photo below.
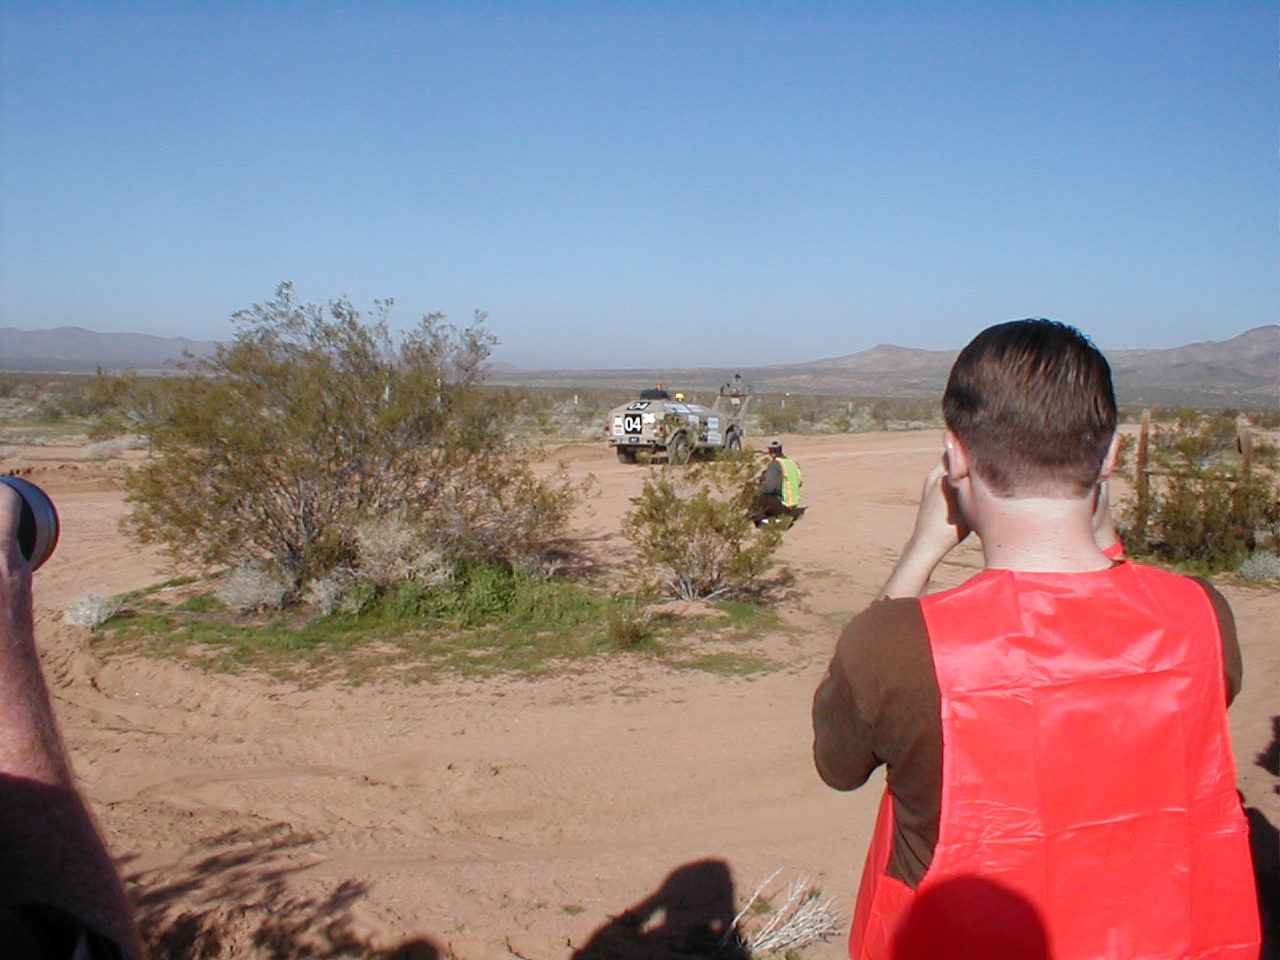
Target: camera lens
(38, 525)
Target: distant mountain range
(77, 350)
(1242, 371)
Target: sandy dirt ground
(510, 817)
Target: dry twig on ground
(805, 917)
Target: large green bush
(693, 532)
(1204, 510)
(315, 421)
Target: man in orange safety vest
(1060, 781)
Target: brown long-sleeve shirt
(880, 703)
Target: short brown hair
(1031, 401)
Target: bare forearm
(910, 577)
(938, 529)
(50, 850)
(30, 747)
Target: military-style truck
(662, 425)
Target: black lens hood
(38, 524)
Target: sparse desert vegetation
(92, 610)
(397, 699)
(352, 761)
(1198, 503)
(368, 636)
(481, 621)
(692, 528)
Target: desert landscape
(317, 322)
(596, 809)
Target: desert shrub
(1124, 448)
(251, 587)
(105, 449)
(391, 550)
(130, 403)
(905, 412)
(76, 397)
(1206, 511)
(326, 593)
(500, 510)
(693, 528)
(358, 598)
(1196, 519)
(627, 625)
(1185, 418)
(49, 411)
(92, 610)
(28, 389)
(860, 421)
(314, 420)
(108, 427)
(1261, 565)
(1266, 454)
(780, 419)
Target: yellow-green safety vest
(791, 482)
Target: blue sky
(646, 183)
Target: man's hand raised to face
(938, 529)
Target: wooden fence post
(1142, 480)
(1244, 443)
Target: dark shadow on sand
(1264, 844)
(235, 900)
(1269, 759)
(689, 916)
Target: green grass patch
(133, 596)
(748, 617)
(728, 663)
(486, 620)
(200, 603)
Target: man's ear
(954, 455)
(1109, 461)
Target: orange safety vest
(1089, 807)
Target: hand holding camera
(36, 524)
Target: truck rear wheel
(733, 442)
(626, 454)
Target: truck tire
(626, 454)
(733, 442)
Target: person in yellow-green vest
(779, 487)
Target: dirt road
(507, 817)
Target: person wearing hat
(779, 486)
